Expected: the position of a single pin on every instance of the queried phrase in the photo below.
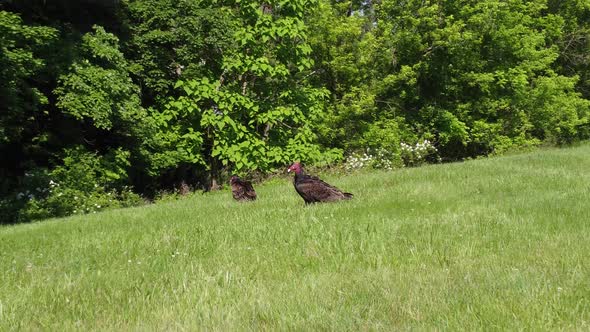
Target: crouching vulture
(314, 190)
(242, 190)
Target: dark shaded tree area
(108, 102)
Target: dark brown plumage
(314, 190)
(242, 190)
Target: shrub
(85, 183)
(417, 154)
(381, 158)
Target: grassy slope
(500, 244)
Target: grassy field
(494, 244)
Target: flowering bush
(356, 161)
(375, 158)
(86, 183)
(62, 201)
(414, 155)
(408, 155)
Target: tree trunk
(214, 174)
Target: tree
(171, 40)
(260, 111)
(475, 78)
(24, 106)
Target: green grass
(491, 244)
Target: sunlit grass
(494, 244)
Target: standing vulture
(313, 190)
(242, 190)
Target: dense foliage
(135, 97)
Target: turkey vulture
(242, 190)
(313, 190)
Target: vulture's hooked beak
(289, 170)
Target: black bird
(242, 190)
(313, 190)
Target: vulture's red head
(233, 179)
(296, 168)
